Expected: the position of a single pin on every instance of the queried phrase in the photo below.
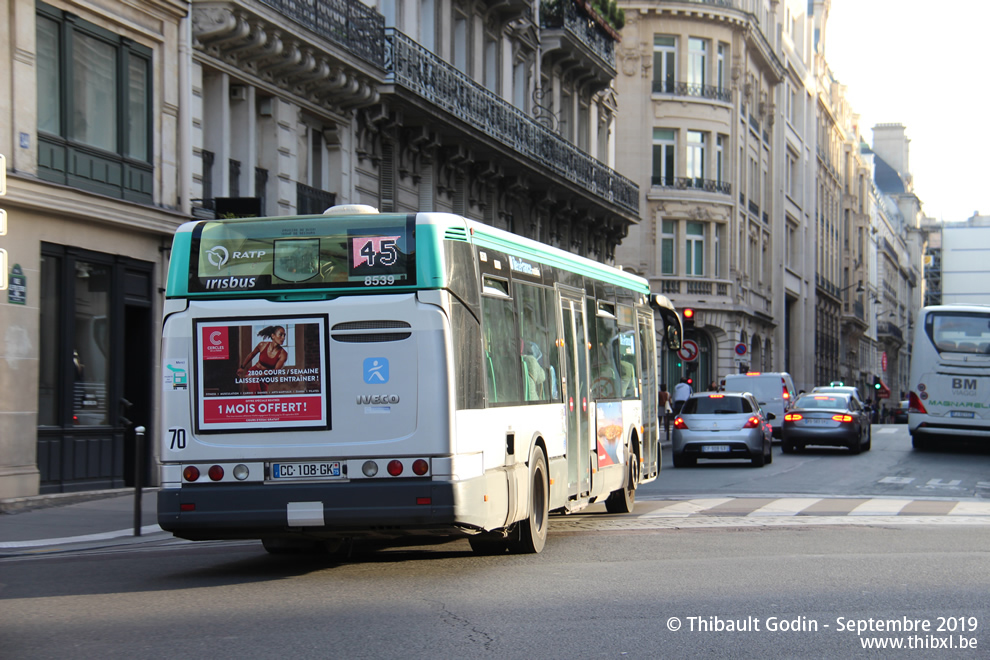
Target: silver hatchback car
(722, 425)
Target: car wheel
(921, 444)
(856, 445)
(770, 453)
(681, 461)
(760, 459)
(788, 447)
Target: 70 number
(178, 438)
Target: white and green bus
(357, 374)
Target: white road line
(684, 509)
(971, 509)
(896, 480)
(786, 506)
(86, 538)
(879, 507)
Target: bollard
(138, 476)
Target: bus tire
(489, 543)
(533, 529)
(624, 499)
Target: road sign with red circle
(689, 350)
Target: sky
(923, 65)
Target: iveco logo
(377, 398)
(217, 256)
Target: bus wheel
(489, 544)
(533, 530)
(624, 499)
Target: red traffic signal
(688, 314)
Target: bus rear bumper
(252, 511)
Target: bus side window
(502, 350)
(534, 329)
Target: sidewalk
(53, 523)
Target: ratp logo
(217, 256)
(376, 371)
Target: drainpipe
(185, 116)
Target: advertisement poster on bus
(267, 371)
(608, 420)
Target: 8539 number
(379, 280)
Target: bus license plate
(714, 449)
(308, 470)
(968, 414)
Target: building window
(664, 63)
(696, 157)
(460, 39)
(667, 247)
(723, 50)
(697, 61)
(520, 85)
(793, 182)
(491, 64)
(664, 144)
(716, 271)
(720, 158)
(427, 25)
(694, 248)
(94, 107)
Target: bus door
(574, 364)
(648, 392)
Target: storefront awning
(884, 391)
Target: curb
(16, 505)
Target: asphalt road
(590, 594)
(680, 578)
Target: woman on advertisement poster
(270, 354)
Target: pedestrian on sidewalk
(682, 391)
(664, 409)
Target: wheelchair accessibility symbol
(375, 371)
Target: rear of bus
(950, 376)
(306, 381)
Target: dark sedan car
(899, 415)
(835, 419)
(722, 425)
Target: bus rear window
(960, 332)
(303, 253)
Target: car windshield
(716, 404)
(812, 401)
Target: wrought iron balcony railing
(350, 24)
(691, 183)
(557, 14)
(710, 92)
(888, 329)
(313, 201)
(409, 65)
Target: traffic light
(876, 382)
(688, 315)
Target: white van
(773, 389)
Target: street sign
(689, 350)
(741, 349)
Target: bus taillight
(191, 473)
(395, 467)
(915, 404)
(216, 473)
(420, 467)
